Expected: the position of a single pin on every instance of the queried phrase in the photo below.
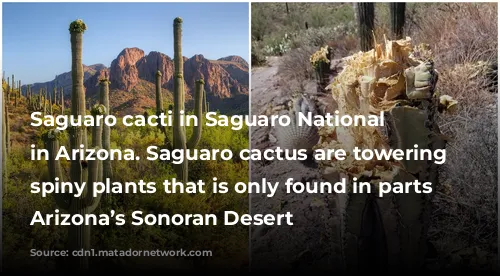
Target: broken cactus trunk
(385, 233)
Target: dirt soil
(312, 242)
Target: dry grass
(464, 40)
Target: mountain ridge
(133, 73)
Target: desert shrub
(279, 31)
(277, 46)
(464, 40)
(458, 32)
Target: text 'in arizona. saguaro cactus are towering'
(81, 171)
(180, 141)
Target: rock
(123, 71)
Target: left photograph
(134, 60)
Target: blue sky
(36, 40)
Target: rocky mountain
(132, 75)
(64, 79)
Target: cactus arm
(97, 110)
(205, 107)
(89, 201)
(159, 108)
(198, 110)
(106, 130)
(159, 99)
(51, 139)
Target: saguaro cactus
(62, 100)
(198, 112)
(393, 227)
(179, 130)
(4, 141)
(80, 171)
(13, 88)
(7, 125)
(76, 29)
(159, 98)
(106, 130)
(397, 19)
(366, 25)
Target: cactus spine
(106, 130)
(80, 171)
(180, 131)
(366, 24)
(397, 19)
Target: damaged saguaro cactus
(394, 227)
(179, 131)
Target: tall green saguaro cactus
(77, 28)
(13, 88)
(16, 97)
(80, 171)
(397, 18)
(62, 100)
(159, 98)
(366, 25)
(106, 130)
(7, 124)
(178, 129)
(4, 141)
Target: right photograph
(430, 70)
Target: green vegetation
(277, 29)
(228, 244)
